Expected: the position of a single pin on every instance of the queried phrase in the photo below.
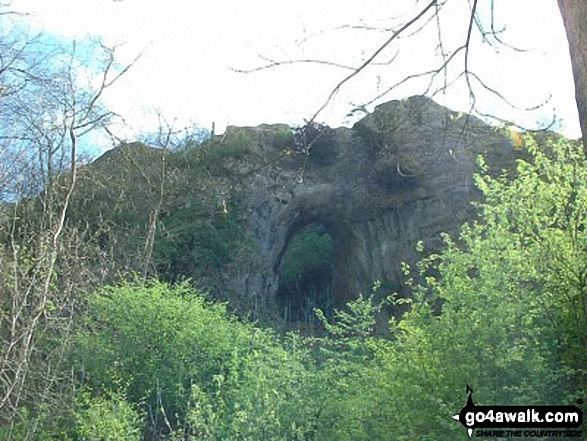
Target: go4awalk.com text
(520, 421)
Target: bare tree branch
(274, 63)
(495, 33)
(43, 117)
(467, 47)
(372, 57)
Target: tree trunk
(574, 13)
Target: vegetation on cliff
(502, 308)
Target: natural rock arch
(374, 210)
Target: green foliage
(282, 139)
(357, 322)
(106, 418)
(196, 371)
(310, 251)
(511, 321)
(265, 396)
(306, 272)
(347, 360)
(318, 141)
(197, 239)
(155, 342)
(213, 153)
(85, 417)
(199, 374)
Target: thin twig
(372, 57)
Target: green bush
(196, 240)
(106, 418)
(82, 417)
(318, 141)
(191, 367)
(155, 342)
(311, 251)
(509, 291)
(305, 274)
(213, 152)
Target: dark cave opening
(306, 275)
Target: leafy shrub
(156, 341)
(196, 240)
(282, 139)
(111, 418)
(318, 141)
(267, 395)
(83, 416)
(306, 272)
(509, 324)
(212, 153)
(190, 366)
(310, 252)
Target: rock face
(402, 174)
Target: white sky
(190, 46)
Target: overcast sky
(192, 46)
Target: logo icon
(519, 417)
(469, 407)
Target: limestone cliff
(402, 174)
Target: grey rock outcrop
(402, 174)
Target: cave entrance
(306, 274)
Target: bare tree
(450, 59)
(48, 107)
(164, 140)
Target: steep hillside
(278, 221)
